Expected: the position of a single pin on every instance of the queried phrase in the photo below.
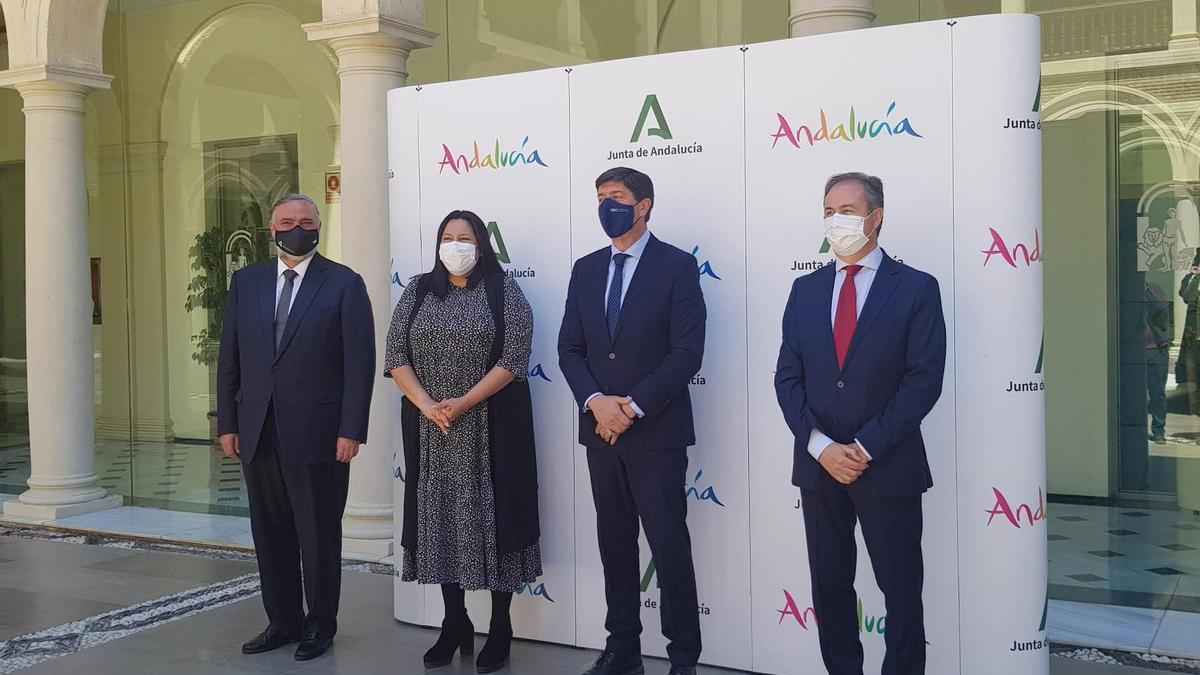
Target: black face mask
(297, 241)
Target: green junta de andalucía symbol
(650, 105)
(498, 242)
(1037, 99)
(1041, 355)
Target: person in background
(1158, 343)
(458, 348)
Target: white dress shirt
(818, 441)
(635, 253)
(301, 268)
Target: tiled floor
(105, 610)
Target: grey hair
(871, 185)
(296, 197)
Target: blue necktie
(614, 293)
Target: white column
(813, 17)
(372, 58)
(1184, 33)
(62, 480)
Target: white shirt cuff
(636, 409)
(587, 404)
(817, 442)
(864, 450)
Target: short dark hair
(638, 183)
(871, 185)
(489, 264)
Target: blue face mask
(616, 218)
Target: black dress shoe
(268, 640)
(458, 635)
(494, 654)
(683, 670)
(313, 645)
(613, 663)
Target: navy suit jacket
(890, 381)
(322, 376)
(657, 349)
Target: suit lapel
(881, 291)
(824, 309)
(651, 257)
(309, 288)
(266, 301)
(596, 288)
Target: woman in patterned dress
(458, 348)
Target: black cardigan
(510, 438)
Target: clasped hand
(614, 415)
(443, 413)
(844, 462)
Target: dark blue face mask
(616, 218)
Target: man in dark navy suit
(864, 350)
(293, 394)
(632, 338)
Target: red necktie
(846, 318)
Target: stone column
(1184, 33)
(813, 17)
(62, 480)
(372, 57)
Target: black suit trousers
(296, 519)
(891, 528)
(646, 484)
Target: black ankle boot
(457, 635)
(495, 652)
(457, 632)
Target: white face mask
(845, 234)
(458, 257)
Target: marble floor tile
(1178, 635)
(1128, 628)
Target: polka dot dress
(451, 341)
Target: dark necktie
(846, 318)
(285, 303)
(614, 293)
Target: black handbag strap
(494, 288)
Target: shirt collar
(872, 262)
(638, 248)
(300, 268)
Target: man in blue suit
(632, 338)
(854, 390)
(294, 385)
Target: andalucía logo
(1028, 123)
(705, 267)
(1029, 514)
(660, 129)
(496, 159)
(1036, 383)
(703, 494)
(396, 275)
(1017, 255)
(538, 591)
(852, 129)
(538, 371)
(1039, 643)
(502, 255)
(867, 623)
(650, 603)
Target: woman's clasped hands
(443, 413)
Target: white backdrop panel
(998, 318)
(509, 164)
(886, 118)
(739, 144)
(689, 142)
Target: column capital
(367, 32)
(51, 78)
